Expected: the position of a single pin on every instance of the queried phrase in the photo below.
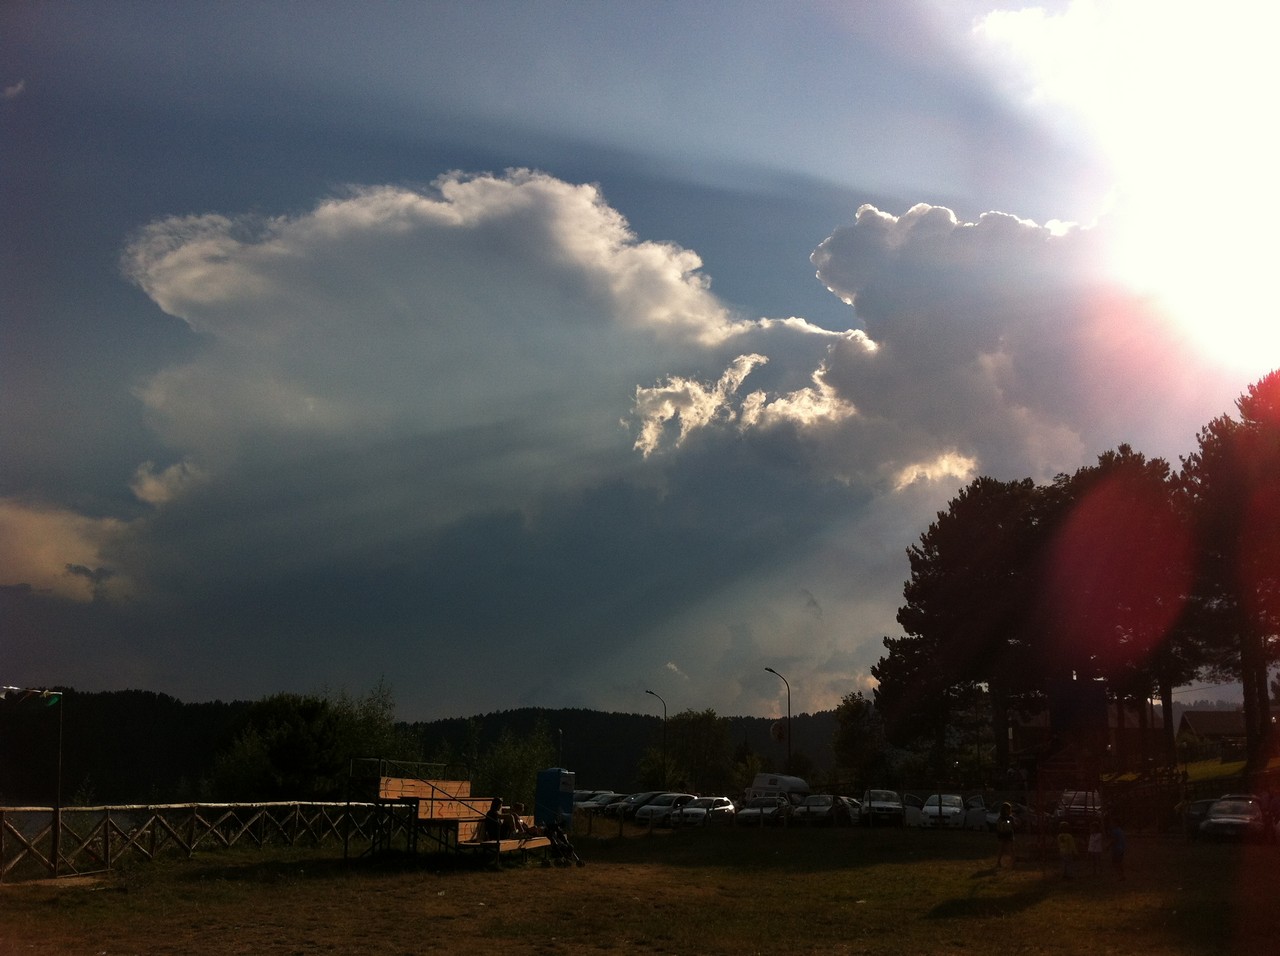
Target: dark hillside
(136, 746)
(604, 749)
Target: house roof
(1212, 723)
(1130, 719)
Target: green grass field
(735, 892)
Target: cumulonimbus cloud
(404, 398)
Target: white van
(778, 785)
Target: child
(1004, 834)
(1094, 848)
(1067, 850)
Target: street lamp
(788, 683)
(664, 735)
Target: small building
(1206, 734)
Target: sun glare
(1178, 97)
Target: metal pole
(788, 683)
(57, 796)
(664, 736)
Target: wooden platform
(458, 819)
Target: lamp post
(788, 683)
(664, 735)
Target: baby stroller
(562, 850)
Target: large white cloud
(488, 422)
(409, 310)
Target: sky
(543, 354)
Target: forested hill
(605, 749)
(134, 746)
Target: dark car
(764, 811)
(1235, 819)
(627, 807)
(882, 808)
(1079, 809)
(600, 804)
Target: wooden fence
(38, 842)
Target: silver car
(658, 810)
(702, 812)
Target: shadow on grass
(798, 849)
(977, 906)
(270, 869)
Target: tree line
(1126, 578)
(138, 747)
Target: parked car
(1079, 809)
(582, 797)
(764, 811)
(704, 811)
(1191, 814)
(882, 808)
(599, 804)
(827, 810)
(945, 810)
(912, 810)
(656, 811)
(1235, 818)
(627, 806)
(975, 813)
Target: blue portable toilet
(553, 797)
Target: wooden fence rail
(38, 842)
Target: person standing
(1067, 850)
(1004, 835)
(1094, 847)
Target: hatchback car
(945, 810)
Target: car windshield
(817, 800)
(764, 802)
(883, 796)
(702, 803)
(948, 800)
